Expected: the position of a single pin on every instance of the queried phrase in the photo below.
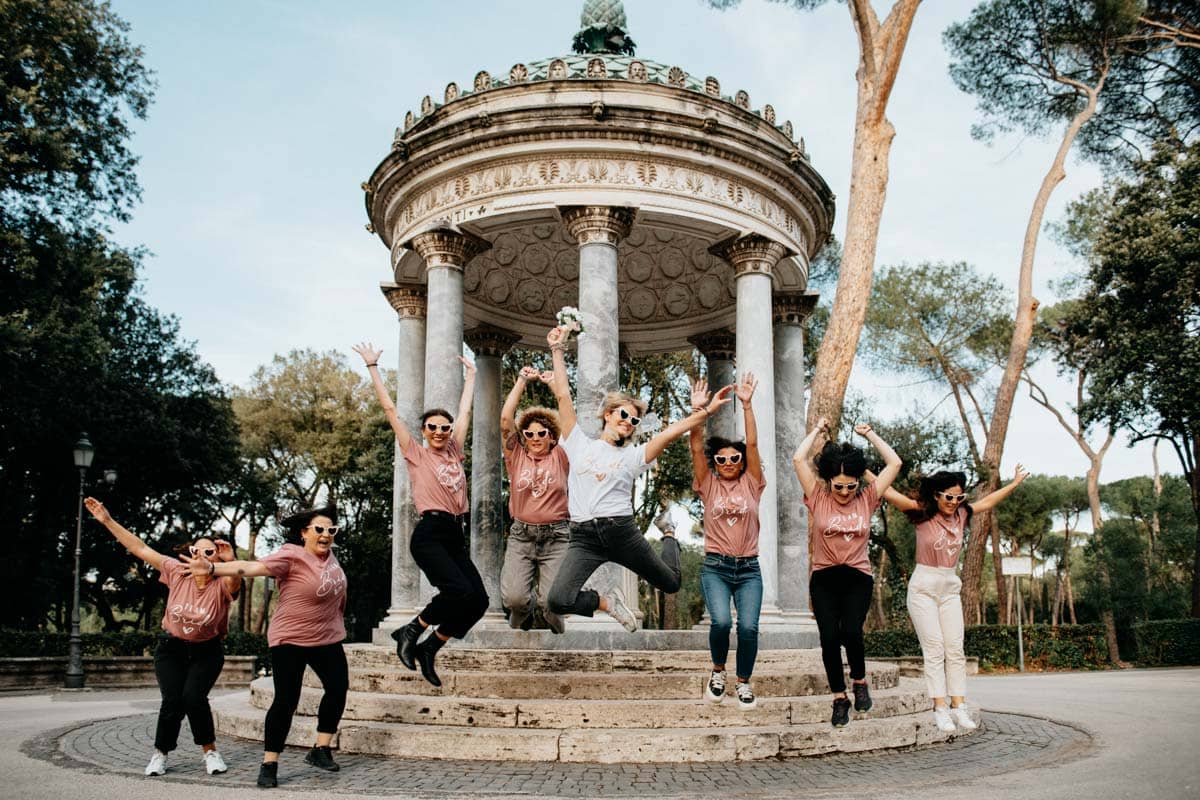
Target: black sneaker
(841, 712)
(268, 774)
(862, 697)
(322, 758)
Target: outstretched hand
(370, 355)
(699, 393)
(470, 368)
(723, 396)
(197, 565)
(98, 510)
(1019, 475)
(224, 550)
(746, 386)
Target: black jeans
(598, 541)
(841, 597)
(439, 546)
(287, 666)
(186, 671)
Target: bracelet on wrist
(212, 569)
(373, 364)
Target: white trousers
(935, 605)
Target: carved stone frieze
(598, 224)
(742, 99)
(451, 92)
(658, 174)
(518, 74)
(490, 341)
(483, 81)
(408, 299)
(750, 254)
(444, 247)
(718, 344)
(792, 308)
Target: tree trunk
(1155, 522)
(1027, 304)
(248, 583)
(1193, 479)
(260, 617)
(1106, 614)
(880, 51)
(879, 619)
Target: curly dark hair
(293, 524)
(927, 491)
(715, 444)
(547, 418)
(841, 458)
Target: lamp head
(84, 452)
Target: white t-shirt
(600, 480)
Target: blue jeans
(723, 578)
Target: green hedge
(1046, 647)
(1168, 642)
(16, 644)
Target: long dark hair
(716, 444)
(927, 491)
(186, 547)
(293, 524)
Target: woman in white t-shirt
(600, 497)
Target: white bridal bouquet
(570, 320)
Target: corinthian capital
(488, 341)
(750, 254)
(447, 247)
(408, 299)
(792, 308)
(604, 224)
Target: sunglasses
(844, 487)
(543, 433)
(736, 458)
(634, 421)
(332, 530)
(433, 427)
(207, 552)
(953, 498)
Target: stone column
(599, 229)
(408, 299)
(753, 258)
(487, 513)
(446, 251)
(719, 348)
(789, 311)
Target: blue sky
(270, 114)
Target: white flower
(570, 320)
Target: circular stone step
(907, 698)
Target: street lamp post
(84, 453)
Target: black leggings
(287, 666)
(186, 671)
(439, 546)
(841, 596)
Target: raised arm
(745, 393)
(557, 339)
(696, 435)
(128, 540)
(508, 414)
(802, 463)
(994, 499)
(900, 502)
(370, 357)
(659, 442)
(463, 422)
(891, 461)
(199, 565)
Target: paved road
(1128, 735)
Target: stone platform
(592, 706)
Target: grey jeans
(532, 558)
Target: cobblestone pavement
(1007, 742)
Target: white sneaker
(941, 716)
(962, 718)
(714, 690)
(158, 764)
(214, 763)
(745, 695)
(619, 611)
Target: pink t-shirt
(939, 539)
(537, 485)
(438, 480)
(840, 532)
(312, 598)
(193, 614)
(730, 513)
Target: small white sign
(1017, 565)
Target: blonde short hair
(617, 399)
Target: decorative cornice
(792, 308)
(408, 299)
(603, 224)
(718, 344)
(447, 247)
(489, 341)
(752, 254)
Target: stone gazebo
(672, 214)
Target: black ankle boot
(425, 652)
(406, 642)
(268, 774)
(322, 757)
